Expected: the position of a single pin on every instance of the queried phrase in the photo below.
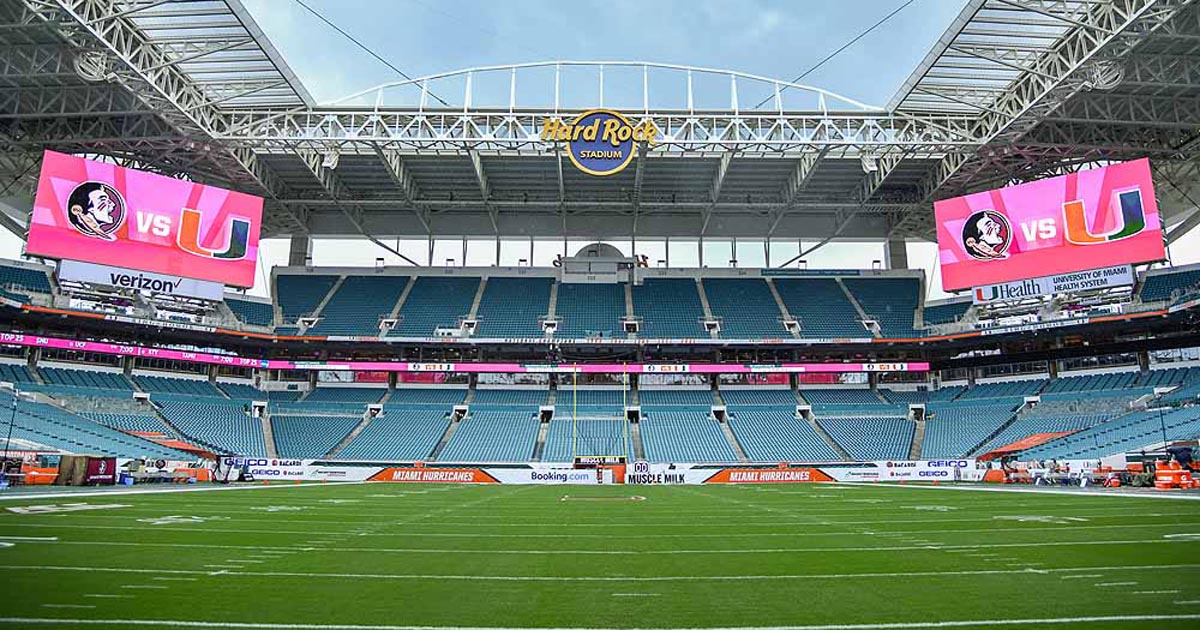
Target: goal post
(599, 438)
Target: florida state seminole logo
(96, 209)
(987, 235)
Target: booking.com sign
(600, 142)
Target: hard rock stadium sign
(600, 142)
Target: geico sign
(934, 473)
(242, 461)
(947, 463)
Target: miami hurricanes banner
(1087, 220)
(110, 215)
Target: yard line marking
(165, 578)
(655, 552)
(31, 538)
(1154, 592)
(107, 596)
(541, 578)
(146, 587)
(68, 606)
(1085, 575)
(111, 493)
(1188, 601)
(971, 623)
(636, 594)
(1078, 493)
(1116, 584)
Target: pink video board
(110, 215)
(1086, 220)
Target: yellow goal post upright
(597, 440)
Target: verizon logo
(142, 282)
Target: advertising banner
(110, 215)
(145, 281)
(1101, 217)
(434, 475)
(1108, 277)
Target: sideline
(856, 626)
(34, 496)
(1075, 493)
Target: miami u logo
(189, 237)
(1133, 220)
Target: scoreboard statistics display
(110, 215)
(1087, 220)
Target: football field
(447, 556)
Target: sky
(777, 39)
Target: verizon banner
(111, 215)
(1096, 218)
(145, 281)
(1109, 277)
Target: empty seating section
(590, 310)
(442, 398)
(777, 436)
(821, 307)
(742, 398)
(362, 395)
(521, 398)
(172, 385)
(905, 397)
(945, 313)
(359, 304)
(513, 307)
(299, 295)
(310, 437)
(493, 436)
(223, 425)
(1169, 286)
(891, 301)
(241, 391)
(669, 308)
(143, 422)
(871, 438)
(256, 313)
(1167, 377)
(948, 393)
(684, 436)
(953, 429)
(589, 437)
(89, 379)
(399, 435)
(585, 398)
(55, 428)
(746, 308)
(1130, 432)
(434, 303)
(1005, 389)
(850, 402)
(1091, 383)
(677, 398)
(1186, 393)
(284, 395)
(15, 373)
(1050, 421)
(24, 279)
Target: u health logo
(600, 142)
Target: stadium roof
(1015, 89)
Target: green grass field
(442, 556)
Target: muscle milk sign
(1119, 276)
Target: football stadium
(407, 315)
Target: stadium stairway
(783, 309)
(994, 434)
(733, 442)
(474, 312)
(441, 445)
(316, 312)
(268, 435)
(914, 451)
(862, 315)
(708, 314)
(395, 312)
(832, 443)
(629, 300)
(345, 441)
(539, 447)
(635, 434)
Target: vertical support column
(896, 252)
(1143, 359)
(299, 251)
